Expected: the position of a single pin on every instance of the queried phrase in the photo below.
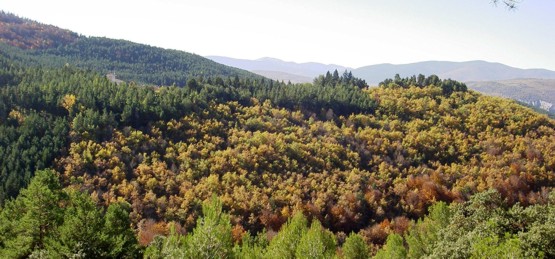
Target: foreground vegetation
(47, 221)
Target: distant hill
(283, 76)
(461, 71)
(28, 34)
(34, 43)
(539, 93)
(280, 70)
(534, 87)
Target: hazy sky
(346, 32)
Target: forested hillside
(47, 45)
(347, 158)
(28, 34)
(216, 163)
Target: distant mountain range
(460, 71)
(535, 87)
(373, 74)
(280, 70)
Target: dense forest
(48, 45)
(229, 165)
(351, 159)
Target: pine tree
(284, 244)
(355, 247)
(393, 248)
(211, 238)
(26, 222)
(316, 243)
(82, 230)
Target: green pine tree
(393, 248)
(211, 238)
(26, 222)
(284, 244)
(316, 243)
(355, 247)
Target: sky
(350, 33)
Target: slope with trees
(356, 159)
(47, 45)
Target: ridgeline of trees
(47, 45)
(27, 34)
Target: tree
(171, 246)
(317, 242)
(193, 84)
(211, 238)
(252, 247)
(424, 234)
(355, 247)
(26, 222)
(284, 244)
(120, 237)
(82, 230)
(393, 248)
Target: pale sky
(351, 33)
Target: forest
(333, 160)
(51, 46)
(238, 166)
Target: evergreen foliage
(211, 237)
(484, 227)
(355, 247)
(48, 221)
(316, 243)
(284, 244)
(393, 248)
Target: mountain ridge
(281, 70)
(39, 44)
(475, 70)
(482, 76)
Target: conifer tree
(26, 222)
(317, 242)
(355, 247)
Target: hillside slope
(28, 34)
(539, 93)
(51, 46)
(349, 157)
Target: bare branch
(510, 4)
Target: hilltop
(35, 43)
(29, 34)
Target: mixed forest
(217, 164)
